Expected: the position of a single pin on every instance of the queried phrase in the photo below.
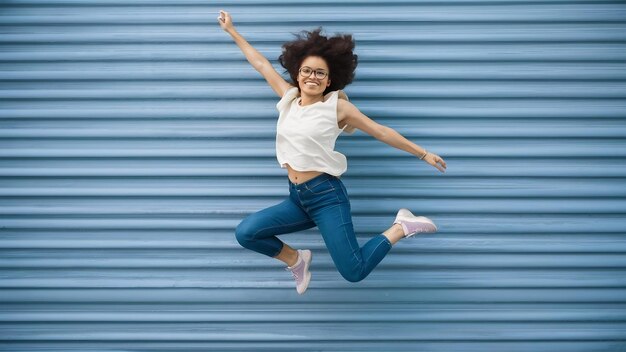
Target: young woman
(312, 113)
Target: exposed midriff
(298, 177)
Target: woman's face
(311, 69)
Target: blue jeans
(323, 202)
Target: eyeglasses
(306, 71)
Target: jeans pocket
(343, 189)
(322, 188)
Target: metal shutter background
(135, 137)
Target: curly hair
(337, 51)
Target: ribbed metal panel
(134, 137)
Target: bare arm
(256, 59)
(388, 135)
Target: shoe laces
(293, 272)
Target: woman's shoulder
(342, 95)
(289, 89)
(342, 107)
(289, 95)
(336, 94)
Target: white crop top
(306, 135)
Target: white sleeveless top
(306, 135)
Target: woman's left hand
(436, 161)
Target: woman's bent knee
(244, 233)
(354, 275)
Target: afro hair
(337, 51)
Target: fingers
(437, 166)
(437, 161)
(223, 16)
(443, 163)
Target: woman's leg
(394, 234)
(258, 231)
(334, 220)
(288, 255)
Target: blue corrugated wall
(134, 137)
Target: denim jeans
(323, 202)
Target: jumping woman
(313, 111)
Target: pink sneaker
(300, 270)
(412, 224)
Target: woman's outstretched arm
(256, 59)
(355, 118)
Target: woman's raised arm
(256, 59)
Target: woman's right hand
(225, 21)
